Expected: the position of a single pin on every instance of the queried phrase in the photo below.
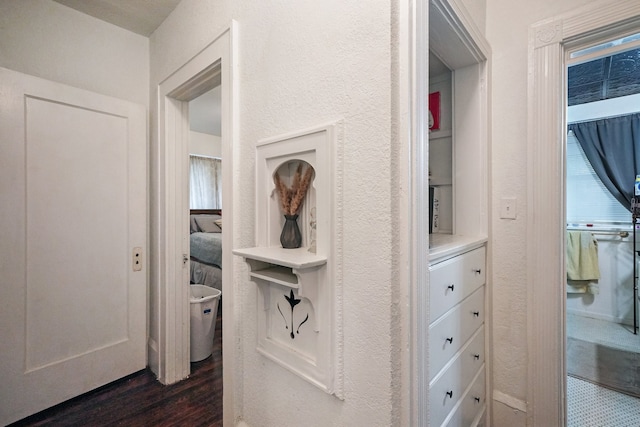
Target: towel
(582, 256)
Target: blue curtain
(613, 148)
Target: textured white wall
(477, 10)
(301, 64)
(49, 40)
(507, 31)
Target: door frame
(549, 40)
(169, 353)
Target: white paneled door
(73, 200)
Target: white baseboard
(152, 356)
(510, 401)
(599, 316)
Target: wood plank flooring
(140, 400)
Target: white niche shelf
(299, 310)
(291, 268)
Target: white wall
(477, 10)
(507, 23)
(204, 144)
(49, 40)
(301, 64)
(614, 302)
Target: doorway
(546, 234)
(169, 339)
(603, 347)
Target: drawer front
(450, 332)
(470, 410)
(453, 280)
(448, 388)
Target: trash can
(204, 310)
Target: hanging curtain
(205, 183)
(613, 148)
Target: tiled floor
(589, 405)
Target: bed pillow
(193, 227)
(218, 222)
(206, 223)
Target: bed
(205, 243)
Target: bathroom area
(602, 260)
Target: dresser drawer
(453, 280)
(449, 386)
(471, 407)
(451, 331)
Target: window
(205, 182)
(588, 201)
(602, 81)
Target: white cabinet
(458, 170)
(457, 339)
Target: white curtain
(205, 182)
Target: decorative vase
(290, 238)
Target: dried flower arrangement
(291, 199)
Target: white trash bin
(204, 310)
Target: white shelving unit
(458, 166)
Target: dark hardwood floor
(140, 400)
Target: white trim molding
(548, 44)
(214, 63)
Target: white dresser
(457, 340)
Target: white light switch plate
(508, 208)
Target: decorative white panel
(299, 310)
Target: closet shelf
(438, 181)
(438, 134)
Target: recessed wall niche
(299, 304)
(294, 195)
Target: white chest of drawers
(457, 340)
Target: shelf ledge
(276, 274)
(298, 259)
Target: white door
(73, 200)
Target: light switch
(508, 208)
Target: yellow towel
(582, 256)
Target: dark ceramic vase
(290, 238)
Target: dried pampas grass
(291, 199)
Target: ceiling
(604, 78)
(143, 17)
(139, 16)
(205, 112)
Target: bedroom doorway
(169, 339)
(205, 233)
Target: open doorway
(602, 344)
(205, 239)
(169, 340)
